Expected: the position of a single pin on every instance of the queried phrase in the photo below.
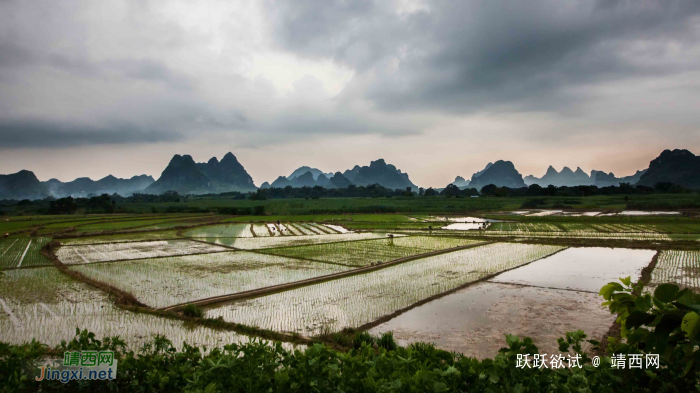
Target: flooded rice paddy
(47, 305)
(531, 290)
(363, 253)
(358, 300)
(168, 281)
(542, 300)
(287, 241)
(583, 269)
(474, 320)
(104, 252)
(678, 267)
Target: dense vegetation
(666, 323)
(371, 199)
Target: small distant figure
(6, 235)
(390, 236)
(278, 222)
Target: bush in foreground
(669, 325)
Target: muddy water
(475, 320)
(542, 300)
(586, 269)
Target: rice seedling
(677, 267)
(293, 230)
(312, 228)
(357, 300)
(22, 252)
(285, 241)
(121, 238)
(90, 253)
(337, 228)
(221, 230)
(301, 229)
(48, 306)
(362, 253)
(260, 230)
(168, 281)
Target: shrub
(361, 338)
(191, 310)
(387, 342)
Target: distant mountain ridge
(566, 177)
(500, 173)
(674, 166)
(84, 186)
(187, 177)
(602, 179)
(378, 172)
(22, 185)
(315, 172)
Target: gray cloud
(462, 56)
(251, 74)
(53, 134)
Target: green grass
(22, 252)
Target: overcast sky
(438, 88)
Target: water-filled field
(168, 281)
(362, 253)
(357, 300)
(286, 241)
(462, 288)
(47, 305)
(104, 252)
(542, 300)
(678, 267)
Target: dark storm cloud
(461, 56)
(37, 133)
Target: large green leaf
(638, 318)
(666, 292)
(691, 324)
(609, 289)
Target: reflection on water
(585, 269)
(460, 226)
(542, 300)
(475, 320)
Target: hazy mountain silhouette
(339, 181)
(83, 186)
(566, 177)
(187, 177)
(602, 179)
(22, 185)
(479, 173)
(500, 173)
(460, 182)
(379, 172)
(678, 166)
(314, 172)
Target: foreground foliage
(663, 323)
